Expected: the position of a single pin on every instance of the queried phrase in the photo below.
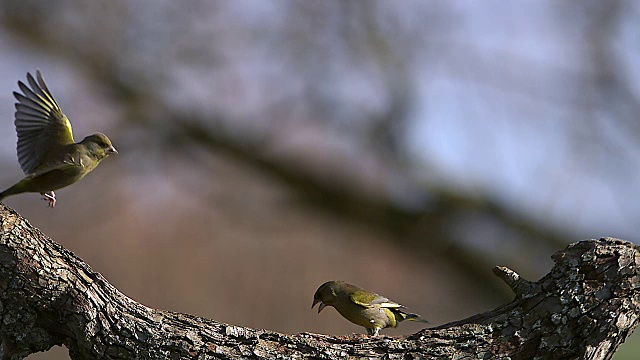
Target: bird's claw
(50, 197)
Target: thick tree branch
(584, 308)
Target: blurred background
(269, 146)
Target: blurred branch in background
(471, 133)
(430, 222)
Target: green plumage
(365, 308)
(47, 153)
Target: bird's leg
(373, 332)
(49, 196)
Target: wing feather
(386, 303)
(368, 299)
(41, 126)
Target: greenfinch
(362, 307)
(47, 153)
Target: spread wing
(41, 126)
(367, 299)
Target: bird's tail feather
(15, 189)
(412, 317)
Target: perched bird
(362, 307)
(47, 153)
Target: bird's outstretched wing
(41, 126)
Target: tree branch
(584, 308)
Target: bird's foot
(373, 332)
(50, 197)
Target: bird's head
(326, 295)
(99, 145)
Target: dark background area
(269, 146)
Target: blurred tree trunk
(584, 308)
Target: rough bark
(584, 308)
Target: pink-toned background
(269, 146)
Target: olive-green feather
(47, 152)
(362, 307)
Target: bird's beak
(322, 305)
(112, 150)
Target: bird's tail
(10, 191)
(411, 317)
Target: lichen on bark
(583, 309)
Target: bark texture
(583, 309)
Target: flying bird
(47, 153)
